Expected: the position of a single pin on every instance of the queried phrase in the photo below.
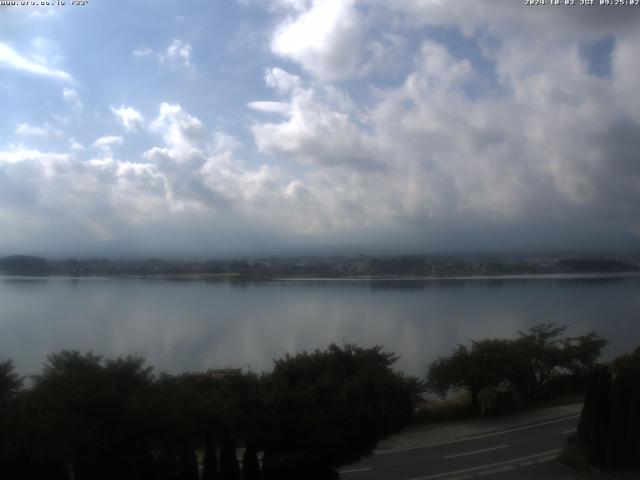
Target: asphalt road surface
(480, 456)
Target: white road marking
(546, 459)
(571, 430)
(490, 449)
(482, 467)
(496, 470)
(476, 437)
(356, 470)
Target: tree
(328, 408)
(541, 353)
(610, 422)
(250, 464)
(210, 460)
(10, 382)
(188, 463)
(24, 265)
(92, 414)
(10, 386)
(487, 364)
(582, 352)
(229, 468)
(527, 363)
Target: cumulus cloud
(190, 177)
(129, 117)
(105, 143)
(281, 80)
(325, 39)
(11, 59)
(316, 131)
(537, 153)
(181, 131)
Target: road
(473, 457)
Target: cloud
(21, 155)
(130, 118)
(318, 129)
(177, 54)
(281, 80)
(188, 178)
(107, 141)
(13, 60)
(439, 160)
(276, 5)
(142, 52)
(44, 132)
(270, 107)
(181, 131)
(76, 146)
(72, 97)
(510, 18)
(326, 39)
(90, 200)
(422, 125)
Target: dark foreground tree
(329, 408)
(542, 353)
(610, 421)
(188, 463)
(89, 418)
(487, 363)
(91, 415)
(229, 467)
(250, 464)
(10, 382)
(210, 459)
(526, 365)
(10, 385)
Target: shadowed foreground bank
(85, 417)
(609, 432)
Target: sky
(239, 127)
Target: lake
(184, 324)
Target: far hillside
(24, 265)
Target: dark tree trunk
(475, 405)
(250, 464)
(145, 465)
(167, 467)
(229, 468)
(599, 434)
(188, 465)
(210, 461)
(620, 415)
(632, 449)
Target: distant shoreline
(405, 268)
(303, 278)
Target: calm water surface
(194, 324)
